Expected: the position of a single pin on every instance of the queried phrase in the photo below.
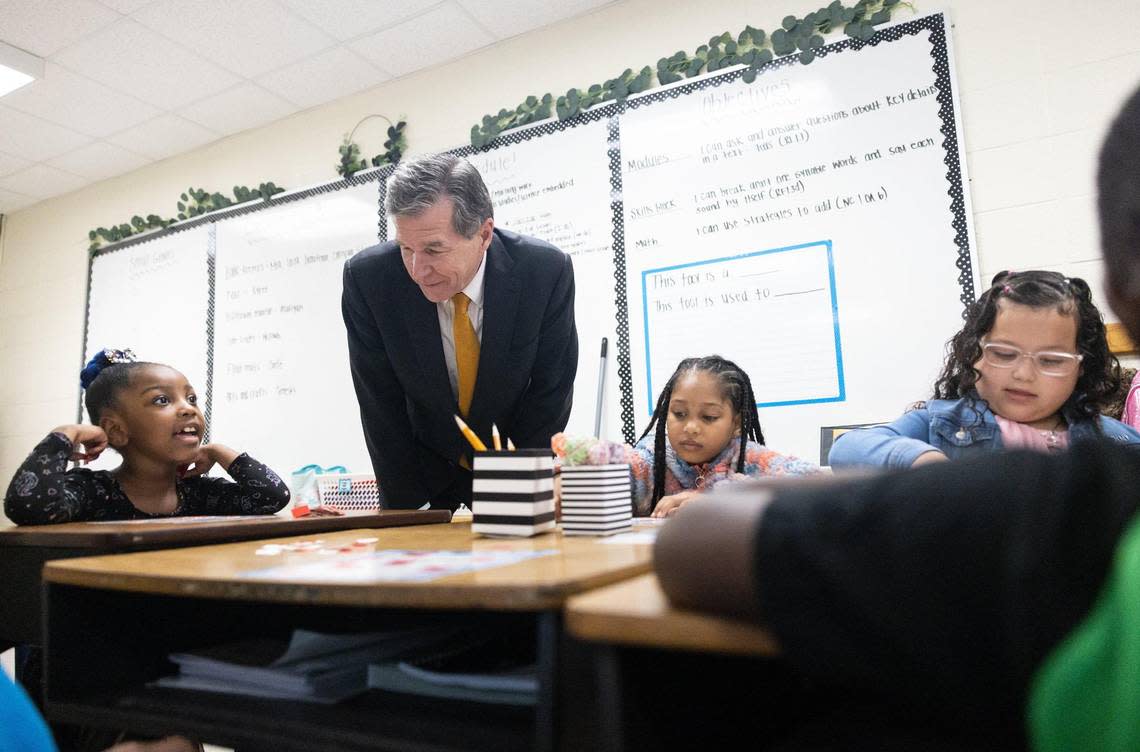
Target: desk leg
(568, 714)
(610, 706)
(549, 636)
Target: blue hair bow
(100, 361)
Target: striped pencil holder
(596, 499)
(513, 492)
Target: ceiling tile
(10, 202)
(89, 107)
(44, 27)
(163, 137)
(437, 36)
(506, 18)
(133, 59)
(10, 163)
(243, 107)
(35, 139)
(328, 76)
(249, 37)
(125, 6)
(345, 19)
(41, 181)
(99, 161)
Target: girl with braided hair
(705, 430)
(1030, 369)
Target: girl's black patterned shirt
(45, 492)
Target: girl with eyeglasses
(1030, 369)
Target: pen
(468, 434)
(495, 438)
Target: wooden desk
(636, 612)
(678, 679)
(24, 550)
(139, 607)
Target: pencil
(468, 434)
(495, 438)
(510, 445)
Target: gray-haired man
(455, 316)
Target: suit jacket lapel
(422, 320)
(500, 306)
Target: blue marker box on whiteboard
(596, 499)
(512, 493)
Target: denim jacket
(957, 428)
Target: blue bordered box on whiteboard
(829, 307)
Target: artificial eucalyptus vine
(751, 47)
(196, 201)
(115, 233)
(351, 160)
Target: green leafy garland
(751, 47)
(115, 233)
(351, 161)
(194, 202)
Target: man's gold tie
(466, 351)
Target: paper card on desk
(644, 532)
(394, 566)
(643, 537)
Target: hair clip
(119, 356)
(101, 360)
(1006, 289)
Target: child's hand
(668, 505)
(87, 442)
(208, 456)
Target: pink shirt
(1016, 435)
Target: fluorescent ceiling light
(18, 68)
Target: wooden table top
(221, 571)
(636, 612)
(157, 532)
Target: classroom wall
(1035, 97)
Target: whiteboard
(282, 385)
(810, 226)
(557, 188)
(153, 298)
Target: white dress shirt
(446, 311)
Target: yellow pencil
(495, 438)
(468, 434)
(510, 445)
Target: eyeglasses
(1047, 363)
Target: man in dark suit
(455, 316)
